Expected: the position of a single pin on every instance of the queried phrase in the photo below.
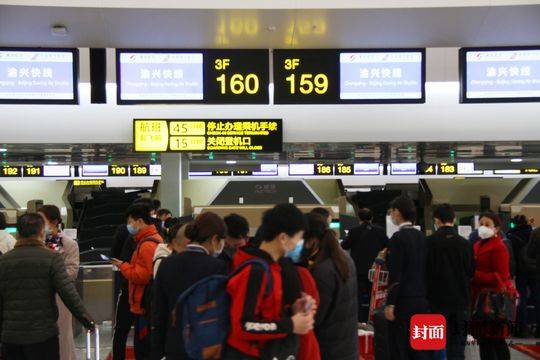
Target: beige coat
(65, 319)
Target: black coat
(30, 277)
(519, 237)
(407, 266)
(450, 269)
(365, 242)
(176, 274)
(336, 324)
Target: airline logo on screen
(207, 135)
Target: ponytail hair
(328, 245)
(204, 227)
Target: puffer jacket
(30, 276)
(336, 324)
(140, 270)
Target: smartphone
(104, 257)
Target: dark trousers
(123, 322)
(141, 338)
(456, 332)
(528, 290)
(364, 296)
(399, 330)
(493, 349)
(47, 350)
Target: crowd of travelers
(202, 288)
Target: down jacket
(30, 276)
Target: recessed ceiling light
(516, 160)
(3, 150)
(231, 162)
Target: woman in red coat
(492, 273)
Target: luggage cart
(378, 275)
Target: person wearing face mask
(450, 268)
(122, 249)
(406, 261)
(492, 272)
(334, 272)
(177, 273)
(237, 236)
(31, 275)
(270, 326)
(56, 240)
(139, 271)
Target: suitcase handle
(89, 344)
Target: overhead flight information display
(306, 76)
(382, 75)
(220, 135)
(500, 74)
(192, 76)
(38, 75)
(349, 76)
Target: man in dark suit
(450, 268)
(407, 279)
(365, 242)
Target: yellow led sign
(207, 135)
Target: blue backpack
(205, 317)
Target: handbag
(496, 305)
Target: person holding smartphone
(334, 272)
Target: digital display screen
(192, 76)
(267, 170)
(301, 169)
(138, 170)
(94, 182)
(32, 171)
(57, 170)
(467, 168)
(328, 76)
(324, 169)
(500, 74)
(33, 76)
(159, 76)
(344, 169)
(155, 169)
(306, 77)
(10, 171)
(95, 170)
(366, 169)
(236, 76)
(219, 135)
(118, 170)
(403, 169)
(382, 76)
(447, 169)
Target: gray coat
(30, 277)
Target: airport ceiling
(75, 154)
(270, 28)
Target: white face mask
(485, 232)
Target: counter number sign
(10, 171)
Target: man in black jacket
(450, 268)
(30, 277)
(365, 242)
(407, 279)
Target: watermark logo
(428, 332)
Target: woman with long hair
(336, 325)
(56, 240)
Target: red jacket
(309, 346)
(492, 273)
(139, 270)
(255, 318)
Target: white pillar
(174, 169)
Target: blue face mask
(131, 229)
(296, 254)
